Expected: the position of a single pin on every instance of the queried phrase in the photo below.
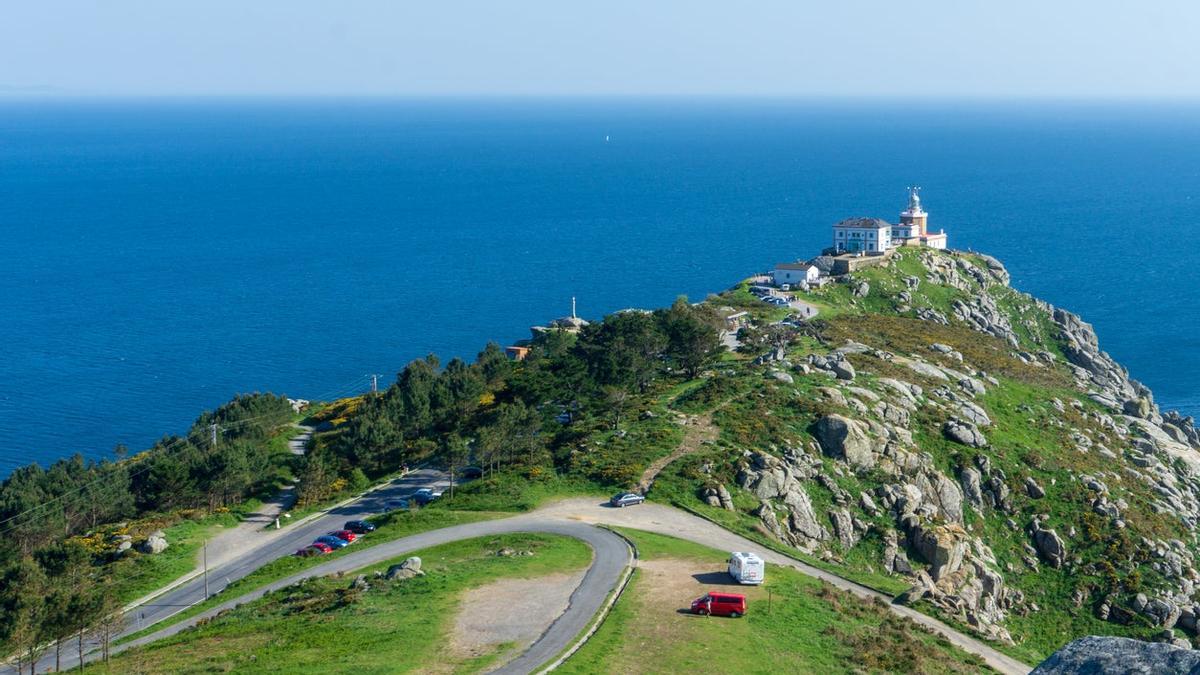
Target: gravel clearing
(509, 614)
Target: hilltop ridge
(916, 425)
(938, 428)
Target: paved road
(274, 544)
(611, 555)
(677, 523)
(804, 309)
(571, 517)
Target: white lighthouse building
(913, 228)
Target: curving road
(575, 518)
(242, 559)
(610, 557)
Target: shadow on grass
(715, 579)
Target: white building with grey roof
(862, 235)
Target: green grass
(810, 627)
(1028, 438)
(512, 491)
(394, 627)
(391, 526)
(138, 574)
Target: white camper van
(746, 568)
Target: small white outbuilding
(795, 273)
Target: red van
(720, 604)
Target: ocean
(159, 256)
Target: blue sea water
(157, 257)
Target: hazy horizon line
(34, 92)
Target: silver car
(626, 499)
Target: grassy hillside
(932, 433)
(393, 626)
(1071, 496)
(794, 624)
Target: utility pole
(374, 383)
(206, 570)
(213, 434)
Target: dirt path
(698, 429)
(509, 614)
(248, 534)
(299, 443)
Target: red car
(313, 550)
(720, 604)
(345, 535)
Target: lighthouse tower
(913, 228)
(914, 217)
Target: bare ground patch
(663, 596)
(669, 585)
(509, 614)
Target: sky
(793, 48)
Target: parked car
(331, 542)
(426, 495)
(310, 551)
(747, 568)
(359, 526)
(720, 604)
(626, 499)
(345, 535)
(322, 547)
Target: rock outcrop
(1126, 471)
(154, 544)
(963, 432)
(1049, 545)
(1094, 655)
(408, 569)
(845, 439)
(772, 479)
